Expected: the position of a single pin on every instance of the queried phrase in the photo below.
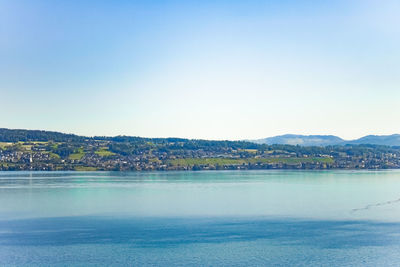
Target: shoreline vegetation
(52, 151)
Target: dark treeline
(11, 135)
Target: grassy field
(230, 161)
(85, 169)
(54, 156)
(77, 155)
(104, 152)
(253, 151)
(5, 144)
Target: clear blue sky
(201, 69)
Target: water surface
(231, 218)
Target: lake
(207, 218)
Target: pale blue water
(235, 218)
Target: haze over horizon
(201, 69)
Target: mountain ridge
(327, 140)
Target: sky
(201, 69)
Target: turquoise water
(223, 218)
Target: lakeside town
(51, 151)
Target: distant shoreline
(28, 150)
(183, 171)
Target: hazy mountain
(387, 140)
(303, 140)
(326, 140)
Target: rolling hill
(327, 140)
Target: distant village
(47, 151)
